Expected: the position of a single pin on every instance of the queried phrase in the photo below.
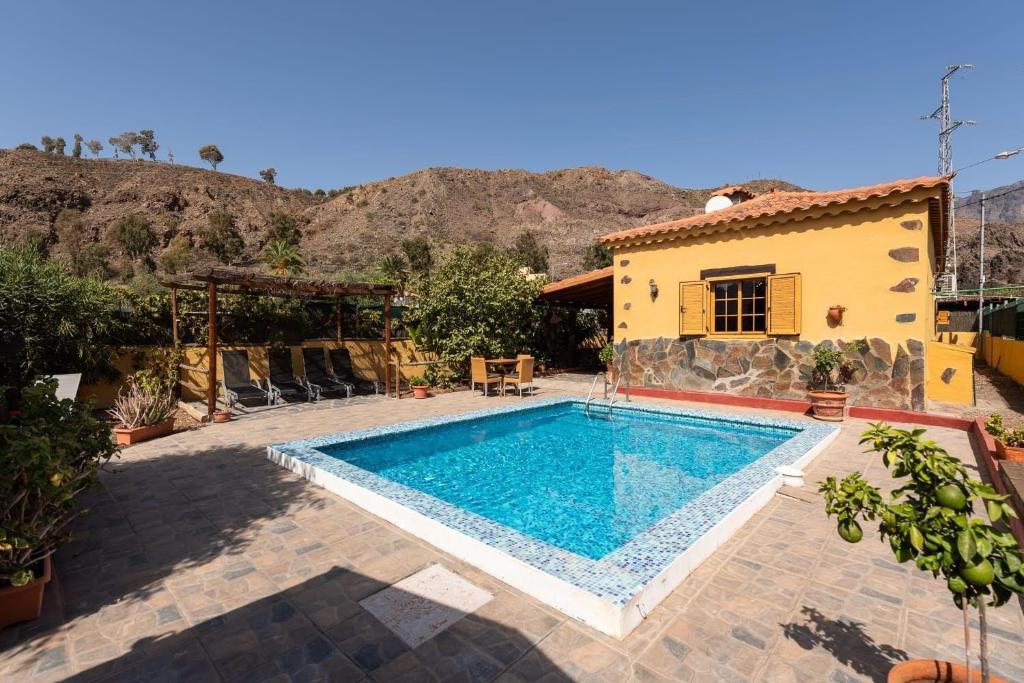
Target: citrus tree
(477, 303)
(931, 520)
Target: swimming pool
(599, 517)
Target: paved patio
(203, 561)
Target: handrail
(590, 395)
(615, 390)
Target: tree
(133, 235)
(476, 303)
(125, 142)
(52, 321)
(211, 154)
(76, 151)
(71, 236)
(930, 519)
(597, 256)
(269, 175)
(48, 144)
(27, 145)
(533, 254)
(95, 147)
(395, 270)
(148, 144)
(283, 228)
(221, 237)
(177, 256)
(284, 258)
(419, 255)
(59, 145)
(92, 261)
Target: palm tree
(394, 269)
(283, 258)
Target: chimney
(727, 196)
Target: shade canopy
(589, 290)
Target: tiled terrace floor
(203, 561)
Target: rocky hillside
(353, 230)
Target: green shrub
(49, 454)
(606, 354)
(477, 303)
(52, 321)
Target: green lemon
(951, 496)
(956, 584)
(980, 574)
(850, 532)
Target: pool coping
(612, 594)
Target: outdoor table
(502, 363)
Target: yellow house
(736, 299)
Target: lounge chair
(315, 364)
(479, 374)
(284, 378)
(238, 385)
(341, 364)
(522, 377)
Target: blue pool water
(584, 484)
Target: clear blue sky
(825, 94)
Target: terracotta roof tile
(576, 280)
(772, 204)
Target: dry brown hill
(353, 230)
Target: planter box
(1005, 452)
(127, 437)
(23, 603)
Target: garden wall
(1005, 355)
(367, 360)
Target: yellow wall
(843, 259)
(1005, 355)
(367, 361)
(968, 339)
(939, 358)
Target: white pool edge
(578, 603)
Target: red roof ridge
(776, 203)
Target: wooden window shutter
(692, 308)
(784, 304)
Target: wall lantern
(654, 289)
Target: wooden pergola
(227, 280)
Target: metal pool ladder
(593, 385)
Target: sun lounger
(238, 385)
(315, 364)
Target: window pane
(721, 290)
(748, 305)
(719, 307)
(731, 324)
(759, 287)
(719, 323)
(748, 287)
(731, 306)
(760, 305)
(733, 289)
(759, 323)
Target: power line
(990, 197)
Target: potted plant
(542, 363)
(1009, 442)
(50, 451)
(143, 409)
(419, 385)
(931, 520)
(831, 370)
(606, 355)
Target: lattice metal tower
(948, 280)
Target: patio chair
(479, 375)
(284, 378)
(522, 377)
(315, 364)
(343, 370)
(238, 385)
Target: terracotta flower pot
(829, 406)
(1004, 452)
(935, 671)
(22, 603)
(222, 416)
(127, 437)
(420, 392)
(835, 314)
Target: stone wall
(882, 376)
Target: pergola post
(337, 319)
(387, 345)
(211, 351)
(174, 315)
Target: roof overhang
(589, 290)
